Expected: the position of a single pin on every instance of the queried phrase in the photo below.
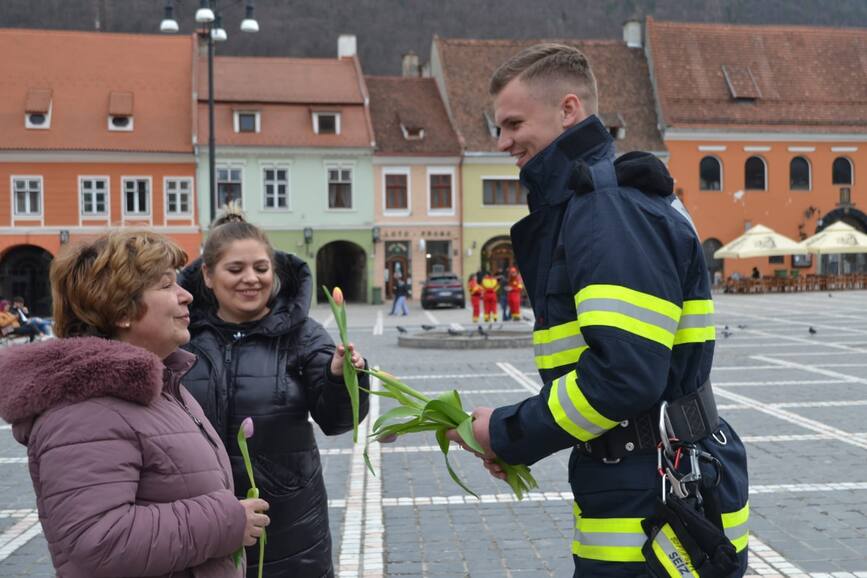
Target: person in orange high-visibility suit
(475, 295)
(514, 288)
(490, 286)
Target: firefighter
(475, 290)
(490, 286)
(515, 287)
(623, 340)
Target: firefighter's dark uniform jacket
(620, 290)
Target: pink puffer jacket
(130, 478)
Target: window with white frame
(179, 197)
(799, 174)
(326, 122)
(755, 174)
(503, 191)
(121, 122)
(396, 183)
(94, 196)
(136, 196)
(229, 185)
(440, 187)
(28, 196)
(710, 174)
(339, 187)
(275, 187)
(247, 121)
(841, 171)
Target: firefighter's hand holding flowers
(481, 422)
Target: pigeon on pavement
(428, 327)
(455, 332)
(742, 326)
(401, 329)
(727, 334)
(812, 331)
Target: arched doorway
(844, 263)
(342, 264)
(24, 273)
(497, 254)
(714, 266)
(397, 264)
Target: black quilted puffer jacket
(275, 370)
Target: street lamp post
(211, 31)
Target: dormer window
(326, 122)
(411, 127)
(412, 133)
(120, 122)
(120, 109)
(493, 129)
(247, 121)
(615, 124)
(741, 83)
(37, 108)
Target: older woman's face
(164, 326)
(242, 281)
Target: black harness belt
(692, 417)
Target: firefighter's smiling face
(531, 116)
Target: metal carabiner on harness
(666, 450)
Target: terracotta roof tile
(282, 80)
(286, 92)
(81, 70)
(415, 103)
(621, 73)
(285, 125)
(783, 78)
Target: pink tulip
(337, 295)
(247, 427)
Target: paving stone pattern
(799, 400)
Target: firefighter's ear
(571, 110)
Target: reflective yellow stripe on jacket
(632, 311)
(621, 539)
(696, 323)
(558, 345)
(573, 412)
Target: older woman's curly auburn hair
(97, 284)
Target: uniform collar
(547, 174)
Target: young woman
(130, 478)
(260, 355)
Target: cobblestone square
(798, 400)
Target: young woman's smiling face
(242, 281)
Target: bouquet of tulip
(245, 432)
(350, 377)
(418, 413)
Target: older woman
(259, 353)
(130, 478)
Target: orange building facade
(793, 202)
(97, 133)
(764, 125)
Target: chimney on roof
(632, 33)
(409, 64)
(346, 46)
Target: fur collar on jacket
(43, 375)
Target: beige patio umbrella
(836, 238)
(759, 241)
